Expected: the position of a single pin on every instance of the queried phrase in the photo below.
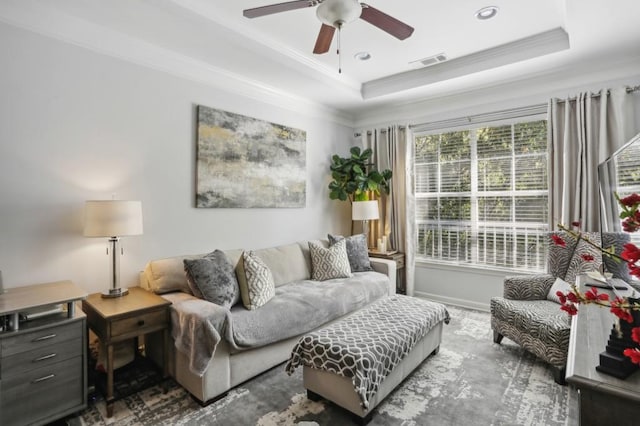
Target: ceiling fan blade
(385, 22)
(256, 12)
(325, 37)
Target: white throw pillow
(558, 285)
(258, 287)
(329, 263)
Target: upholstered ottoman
(358, 361)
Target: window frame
(536, 230)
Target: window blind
(482, 194)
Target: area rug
(470, 381)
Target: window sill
(474, 269)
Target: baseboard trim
(453, 301)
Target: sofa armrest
(528, 287)
(387, 267)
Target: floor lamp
(365, 211)
(113, 219)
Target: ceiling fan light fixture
(338, 12)
(487, 12)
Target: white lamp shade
(112, 218)
(365, 210)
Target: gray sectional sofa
(214, 349)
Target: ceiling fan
(334, 14)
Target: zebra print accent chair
(526, 316)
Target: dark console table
(603, 399)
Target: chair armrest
(528, 287)
(388, 268)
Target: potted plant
(354, 177)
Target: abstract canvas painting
(243, 162)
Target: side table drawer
(400, 262)
(139, 323)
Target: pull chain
(339, 52)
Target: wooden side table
(398, 257)
(116, 319)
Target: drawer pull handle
(42, 379)
(47, 337)
(42, 358)
(140, 323)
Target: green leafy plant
(354, 176)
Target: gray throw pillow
(213, 278)
(357, 251)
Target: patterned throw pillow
(558, 285)
(357, 251)
(213, 278)
(258, 287)
(329, 263)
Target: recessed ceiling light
(487, 13)
(362, 56)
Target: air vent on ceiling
(431, 60)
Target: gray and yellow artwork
(244, 162)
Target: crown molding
(53, 24)
(528, 89)
(526, 48)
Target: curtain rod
(358, 134)
(630, 89)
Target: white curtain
(583, 132)
(392, 149)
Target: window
(628, 176)
(482, 195)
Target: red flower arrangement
(620, 307)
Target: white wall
(76, 125)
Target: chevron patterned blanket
(369, 344)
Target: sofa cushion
(357, 251)
(301, 306)
(329, 263)
(539, 326)
(167, 275)
(287, 263)
(213, 278)
(258, 287)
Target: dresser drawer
(139, 324)
(40, 357)
(28, 397)
(42, 338)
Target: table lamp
(365, 211)
(113, 219)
